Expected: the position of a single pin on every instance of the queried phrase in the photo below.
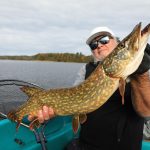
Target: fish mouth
(134, 38)
(136, 41)
(138, 38)
(145, 30)
(144, 36)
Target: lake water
(45, 74)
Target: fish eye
(122, 45)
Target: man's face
(105, 45)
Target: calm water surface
(45, 74)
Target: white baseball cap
(97, 32)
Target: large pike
(93, 92)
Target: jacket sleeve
(140, 89)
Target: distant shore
(57, 57)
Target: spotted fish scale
(95, 90)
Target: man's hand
(44, 114)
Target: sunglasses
(103, 40)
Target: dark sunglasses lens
(104, 40)
(93, 45)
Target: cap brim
(89, 40)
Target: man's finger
(40, 116)
(51, 112)
(46, 113)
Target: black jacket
(113, 125)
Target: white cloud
(33, 26)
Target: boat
(52, 135)
(56, 135)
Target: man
(112, 126)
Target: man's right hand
(45, 113)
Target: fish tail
(12, 115)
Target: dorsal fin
(30, 90)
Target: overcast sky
(28, 27)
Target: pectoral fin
(34, 124)
(75, 123)
(82, 118)
(122, 84)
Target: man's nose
(100, 45)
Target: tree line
(59, 57)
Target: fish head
(128, 54)
(131, 42)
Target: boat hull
(58, 134)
